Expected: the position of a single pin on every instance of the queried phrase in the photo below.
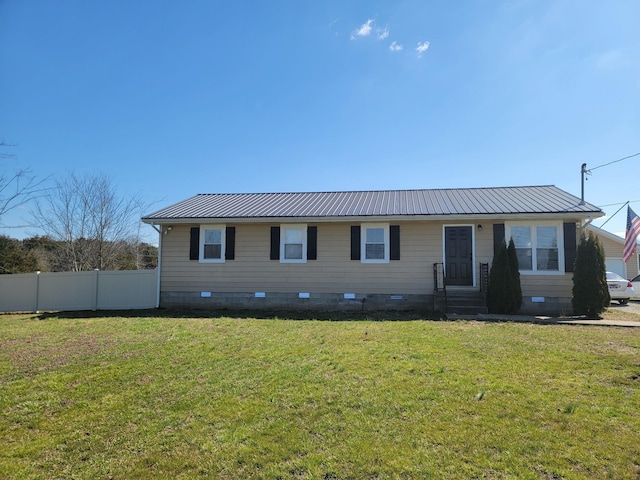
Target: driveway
(632, 307)
(629, 316)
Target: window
(293, 244)
(375, 243)
(212, 243)
(538, 246)
(522, 241)
(547, 248)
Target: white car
(635, 281)
(620, 288)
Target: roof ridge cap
(375, 191)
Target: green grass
(215, 397)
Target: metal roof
(546, 199)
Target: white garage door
(616, 265)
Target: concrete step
(466, 303)
(466, 310)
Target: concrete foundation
(551, 306)
(296, 301)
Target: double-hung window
(212, 243)
(539, 246)
(375, 243)
(293, 244)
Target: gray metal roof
(460, 201)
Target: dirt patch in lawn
(38, 353)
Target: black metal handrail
(439, 286)
(484, 277)
(439, 278)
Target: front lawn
(215, 397)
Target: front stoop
(466, 303)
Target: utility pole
(583, 171)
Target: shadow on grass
(332, 316)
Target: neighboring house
(613, 246)
(365, 250)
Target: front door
(458, 261)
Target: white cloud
(364, 30)
(422, 47)
(370, 28)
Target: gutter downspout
(159, 267)
(584, 225)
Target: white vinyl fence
(94, 290)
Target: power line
(619, 203)
(615, 161)
(584, 171)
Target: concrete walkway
(548, 320)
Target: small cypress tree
(590, 291)
(516, 288)
(505, 293)
(499, 278)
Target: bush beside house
(590, 291)
(505, 293)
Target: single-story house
(613, 246)
(394, 249)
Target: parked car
(635, 281)
(620, 288)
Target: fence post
(37, 302)
(95, 305)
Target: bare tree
(3, 144)
(16, 188)
(92, 222)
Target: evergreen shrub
(590, 292)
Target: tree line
(42, 253)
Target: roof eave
(382, 218)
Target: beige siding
(611, 247)
(333, 271)
(546, 285)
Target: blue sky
(171, 99)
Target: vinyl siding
(333, 271)
(546, 285)
(612, 249)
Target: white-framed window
(539, 246)
(293, 243)
(374, 243)
(212, 243)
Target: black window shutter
(394, 242)
(194, 244)
(498, 237)
(275, 243)
(569, 246)
(312, 243)
(355, 242)
(230, 243)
